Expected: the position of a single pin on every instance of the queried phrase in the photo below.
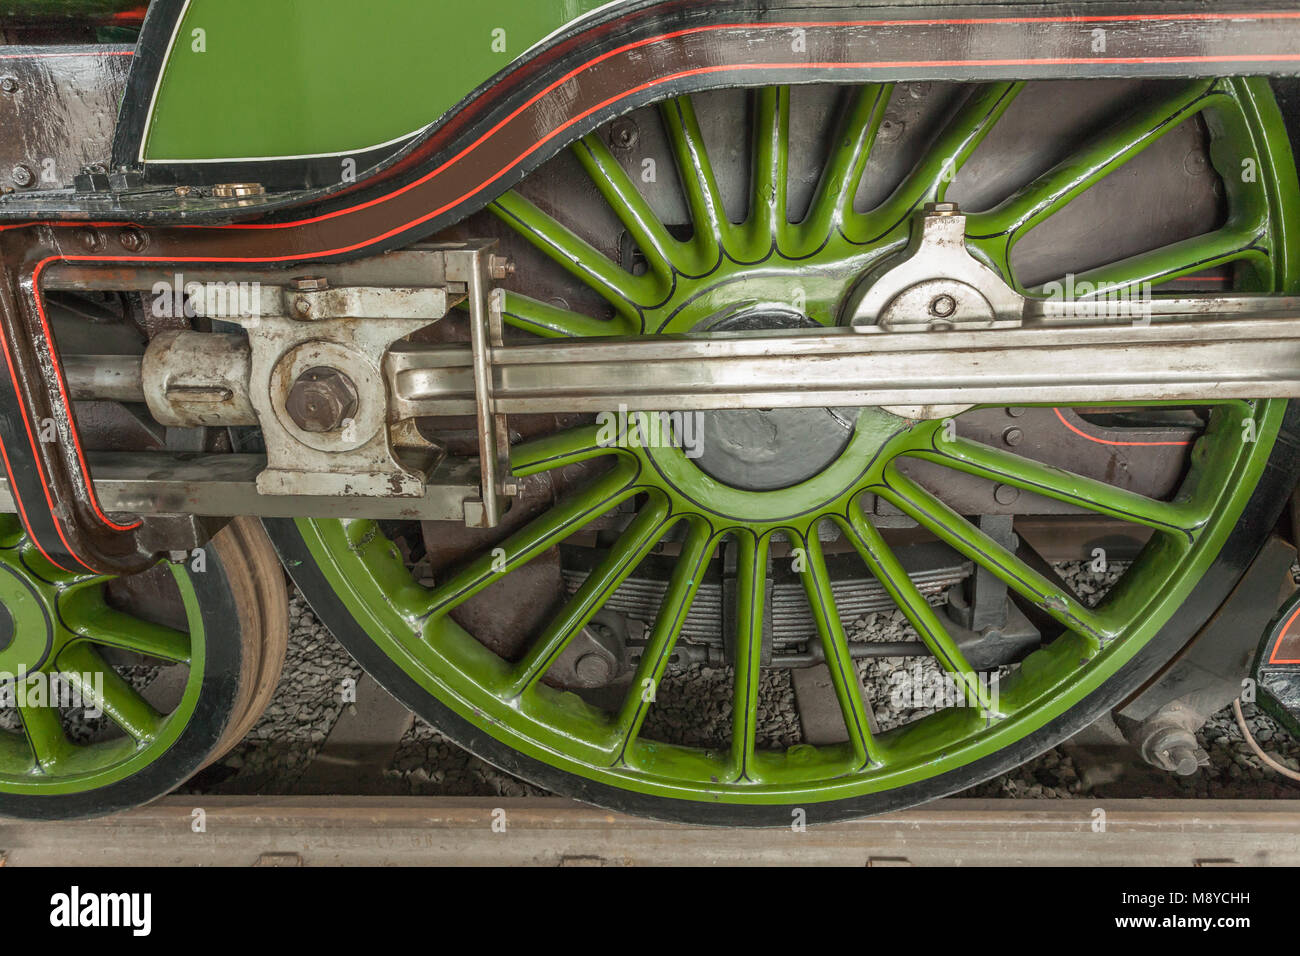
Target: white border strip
(153, 100)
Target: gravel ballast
(693, 707)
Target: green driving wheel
(784, 264)
(113, 691)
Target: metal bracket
(486, 331)
(292, 333)
(316, 368)
(936, 284)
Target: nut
(943, 306)
(90, 239)
(133, 240)
(623, 133)
(941, 209)
(501, 267)
(310, 284)
(321, 400)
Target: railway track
(398, 831)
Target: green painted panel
(266, 78)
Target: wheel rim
(65, 624)
(689, 284)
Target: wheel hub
(766, 449)
(26, 624)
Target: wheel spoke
(624, 291)
(751, 599)
(700, 185)
(544, 531)
(996, 464)
(767, 202)
(957, 532)
(50, 746)
(557, 451)
(855, 136)
(886, 568)
(86, 614)
(835, 644)
(551, 321)
(662, 252)
(683, 584)
(636, 541)
(929, 180)
(121, 702)
(1100, 157)
(1229, 244)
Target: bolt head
(623, 133)
(9, 84)
(22, 176)
(592, 669)
(1006, 494)
(1013, 436)
(322, 399)
(310, 284)
(133, 240)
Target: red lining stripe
(13, 484)
(1278, 646)
(63, 393)
(1106, 441)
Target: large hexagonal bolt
(321, 400)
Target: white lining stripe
(153, 100)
